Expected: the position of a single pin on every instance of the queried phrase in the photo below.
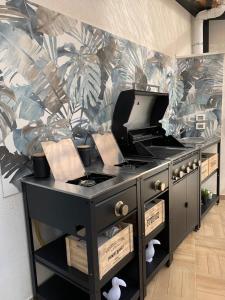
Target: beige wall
(161, 25)
(222, 164)
(217, 36)
(15, 281)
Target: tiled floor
(198, 269)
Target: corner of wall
(222, 161)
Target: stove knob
(181, 174)
(183, 168)
(194, 166)
(176, 172)
(121, 209)
(188, 170)
(197, 162)
(190, 164)
(160, 186)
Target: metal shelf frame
(217, 172)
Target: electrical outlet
(200, 126)
(200, 117)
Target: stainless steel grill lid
(139, 109)
(136, 124)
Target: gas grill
(137, 129)
(139, 134)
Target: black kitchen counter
(121, 178)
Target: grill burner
(132, 164)
(164, 152)
(90, 180)
(87, 183)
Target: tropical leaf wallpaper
(60, 78)
(196, 90)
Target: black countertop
(122, 178)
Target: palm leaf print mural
(60, 78)
(196, 89)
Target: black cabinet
(178, 213)
(184, 207)
(193, 201)
(59, 207)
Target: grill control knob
(160, 186)
(121, 209)
(194, 166)
(183, 168)
(197, 162)
(188, 169)
(176, 173)
(181, 174)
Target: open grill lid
(137, 115)
(136, 125)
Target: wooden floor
(198, 269)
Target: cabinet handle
(121, 209)
(186, 204)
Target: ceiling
(195, 6)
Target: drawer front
(148, 185)
(106, 210)
(204, 169)
(56, 209)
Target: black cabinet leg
(197, 227)
(169, 262)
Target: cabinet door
(193, 201)
(178, 213)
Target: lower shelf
(57, 288)
(53, 256)
(131, 292)
(209, 176)
(210, 203)
(155, 232)
(130, 275)
(160, 259)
